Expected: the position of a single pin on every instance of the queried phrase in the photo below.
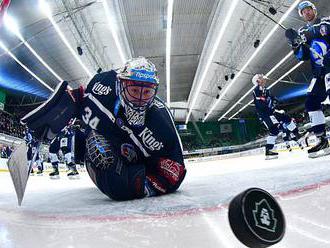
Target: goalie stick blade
(19, 170)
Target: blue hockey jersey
(317, 37)
(101, 110)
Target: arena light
(11, 24)
(249, 92)
(47, 11)
(25, 68)
(271, 86)
(111, 23)
(168, 50)
(211, 56)
(283, 18)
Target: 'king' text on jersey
(149, 140)
(100, 89)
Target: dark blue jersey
(102, 111)
(30, 140)
(66, 138)
(317, 36)
(263, 101)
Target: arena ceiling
(209, 40)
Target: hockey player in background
(63, 141)
(33, 152)
(132, 147)
(271, 117)
(288, 136)
(311, 42)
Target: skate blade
(319, 154)
(54, 177)
(271, 157)
(75, 177)
(40, 174)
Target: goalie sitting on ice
(132, 147)
(272, 118)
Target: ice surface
(73, 213)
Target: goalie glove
(99, 151)
(53, 115)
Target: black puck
(256, 218)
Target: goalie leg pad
(121, 181)
(115, 177)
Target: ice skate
(288, 147)
(55, 174)
(271, 155)
(39, 173)
(73, 174)
(321, 149)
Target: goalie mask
(137, 87)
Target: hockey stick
(20, 170)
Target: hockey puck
(256, 218)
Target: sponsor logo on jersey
(100, 89)
(133, 117)
(149, 140)
(323, 30)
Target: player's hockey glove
(53, 115)
(293, 38)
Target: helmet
(137, 83)
(256, 78)
(306, 4)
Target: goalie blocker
(50, 117)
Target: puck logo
(264, 216)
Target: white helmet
(256, 78)
(306, 4)
(137, 85)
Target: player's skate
(40, 171)
(73, 174)
(321, 149)
(288, 147)
(301, 146)
(271, 155)
(303, 140)
(55, 174)
(32, 172)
